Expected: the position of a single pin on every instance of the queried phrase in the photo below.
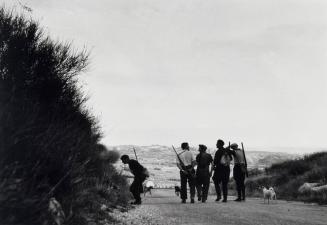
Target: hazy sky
(167, 71)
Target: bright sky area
(168, 71)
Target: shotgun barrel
(246, 164)
(135, 154)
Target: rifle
(184, 168)
(145, 171)
(246, 165)
(135, 154)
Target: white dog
(273, 193)
(267, 194)
(148, 186)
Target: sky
(169, 71)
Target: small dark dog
(177, 190)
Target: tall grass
(49, 141)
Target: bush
(288, 176)
(50, 143)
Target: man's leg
(134, 189)
(238, 188)
(225, 183)
(243, 187)
(138, 190)
(217, 182)
(191, 183)
(183, 186)
(206, 183)
(237, 178)
(198, 187)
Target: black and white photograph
(163, 112)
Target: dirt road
(165, 208)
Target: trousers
(221, 176)
(187, 178)
(202, 185)
(239, 177)
(136, 188)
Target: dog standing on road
(267, 194)
(177, 190)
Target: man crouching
(139, 173)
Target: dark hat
(234, 145)
(124, 157)
(202, 148)
(184, 145)
(220, 142)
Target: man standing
(221, 162)
(203, 160)
(139, 173)
(239, 172)
(186, 162)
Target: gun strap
(181, 152)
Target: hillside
(287, 177)
(161, 160)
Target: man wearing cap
(185, 162)
(139, 176)
(221, 164)
(239, 172)
(203, 160)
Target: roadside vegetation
(287, 177)
(49, 141)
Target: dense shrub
(49, 144)
(254, 172)
(288, 176)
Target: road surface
(164, 207)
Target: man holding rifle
(140, 174)
(239, 171)
(186, 162)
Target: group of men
(199, 178)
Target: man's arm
(211, 165)
(216, 159)
(231, 152)
(179, 164)
(194, 161)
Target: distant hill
(161, 160)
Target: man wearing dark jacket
(139, 176)
(204, 160)
(239, 172)
(221, 163)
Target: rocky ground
(165, 208)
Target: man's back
(136, 168)
(239, 157)
(204, 160)
(186, 157)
